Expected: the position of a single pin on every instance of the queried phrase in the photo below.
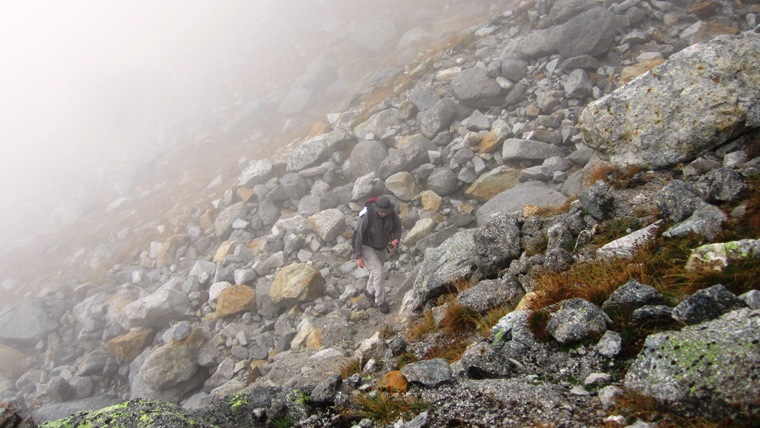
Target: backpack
(368, 207)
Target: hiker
(377, 232)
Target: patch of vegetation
(636, 406)
(283, 422)
(419, 329)
(593, 280)
(537, 322)
(406, 358)
(449, 348)
(459, 319)
(489, 319)
(385, 408)
(596, 173)
(350, 368)
(613, 229)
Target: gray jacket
(376, 232)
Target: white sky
(78, 75)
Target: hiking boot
(384, 308)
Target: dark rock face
(497, 243)
(707, 304)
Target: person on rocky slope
(377, 232)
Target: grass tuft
(386, 408)
(424, 326)
(637, 406)
(351, 368)
(458, 320)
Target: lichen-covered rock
(709, 369)
(576, 320)
(651, 122)
(497, 243)
(134, 413)
(716, 257)
(706, 221)
(597, 200)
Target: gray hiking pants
(374, 260)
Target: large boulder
(378, 124)
(436, 118)
(515, 199)
(172, 363)
(366, 157)
(225, 219)
(576, 320)
(26, 322)
(296, 283)
(590, 33)
(493, 182)
(454, 260)
(257, 172)
(708, 370)
(497, 243)
(158, 309)
(328, 224)
(316, 149)
(652, 122)
(475, 88)
(412, 153)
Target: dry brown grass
(636, 406)
(385, 408)
(351, 368)
(594, 281)
(416, 330)
(596, 173)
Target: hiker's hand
(360, 262)
(394, 243)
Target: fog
(87, 83)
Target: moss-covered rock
(709, 369)
(134, 413)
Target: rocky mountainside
(578, 185)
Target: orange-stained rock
(224, 250)
(314, 341)
(128, 346)
(394, 382)
(235, 299)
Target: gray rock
(309, 204)
(706, 305)
(751, 298)
(708, 370)
(412, 154)
(257, 172)
(706, 221)
(576, 320)
(651, 122)
(473, 87)
(159, 308)
(57, 390)
(436, 118)
(753, 115)
(497, 243)
(597, 200)
(652, 315)
(591, 33)
(492, 293)
(451, 261)
(678, 200)
(558, 260)
(423, 97)
(316, 150)
(443, 181)
(610, 344)
(482, 361)
(377, 125)
(631, 296)
(328, 224)
(169, 365)
(724, 185)
(366, 158)
(326, 390)
(514, 69)
(225, 219)
(562, 11)
(516, 198)
(53, 411)
(429, 372)
(26, 322)
(578, 85)
(559, 236)
(292, 186)
(516, 150)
